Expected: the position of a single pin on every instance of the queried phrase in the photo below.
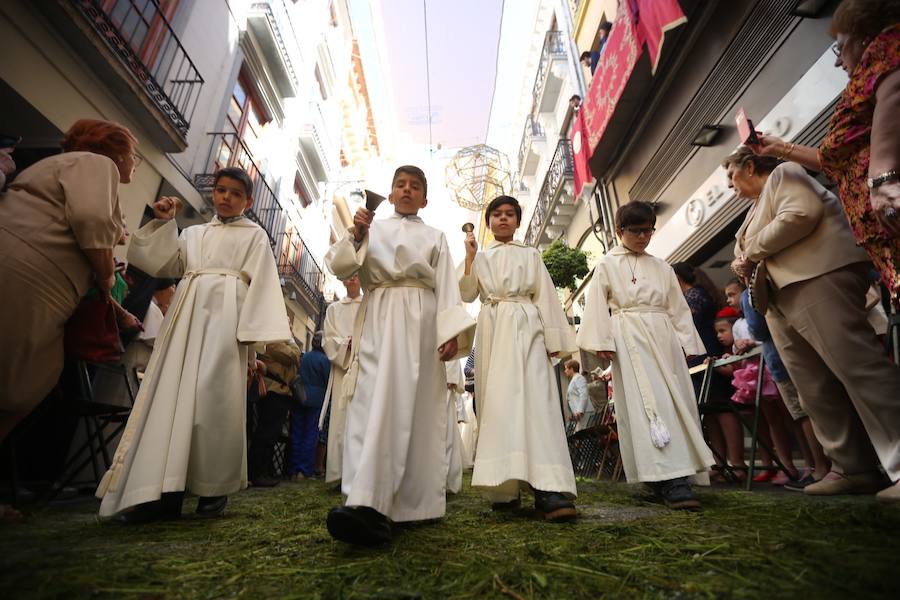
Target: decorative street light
(476, 175)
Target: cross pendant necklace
(632, 269)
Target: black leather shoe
(168, 508)
(553, 506)
(511, 505)
(676, 493)
(265, 481)
(211, 506)
(359, 525)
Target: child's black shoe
(359, 525)
(553, 506)
(211, 506)
(676, 493)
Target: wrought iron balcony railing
(298, 264)
(138, 32)
(554, 47)
(561, 170)
(228, 150)
(533, 130)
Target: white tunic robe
(339, 319)
(187, 428)
(521, 431)
(454, 459)
(650, 331)
(394, 449)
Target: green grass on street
(273, 544)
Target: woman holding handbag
(59, 222)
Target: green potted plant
(566, 265)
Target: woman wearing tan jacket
(817, 318)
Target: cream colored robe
(468, 431)
(396, 421)
(455, 385)
(650, 331)
(187, 430)
(339, 319)
(521, 431)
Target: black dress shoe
(359, 525)
(506, 506)
(211, 506)
(676, 493)
(265, 481)
(553, 506)
(167, 508)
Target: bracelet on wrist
(878, 180)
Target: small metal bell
(468, 227)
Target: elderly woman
(817, 318)
(59, 221)
(861, 151)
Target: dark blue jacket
(314, 370)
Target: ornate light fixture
(477, 175)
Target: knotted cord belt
(659, 434)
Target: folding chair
(753, 426)
(97, 418)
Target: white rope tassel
(659, 434)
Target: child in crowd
(411, 316)
(744, 378)
(522, 443)
(186, 431)
(774, 411)
(647, 337)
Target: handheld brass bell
(468, 227)
(372, 199)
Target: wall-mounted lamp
(707, 135)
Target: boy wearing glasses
(636, 316)
(187, 431)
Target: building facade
(202, 84)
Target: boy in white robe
(647, 338)
(187, 429)
(453, 457)
(411, 318)
(522, 441)
(338, 341)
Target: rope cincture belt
(659, 433)
(349, 385)
(494, 300)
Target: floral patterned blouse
(844, 153)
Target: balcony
(131, 47)
(315, 146)
(228, 150)
(551, 73)
(554, 207)
(533, 139)
(274, 33)
(298, 267)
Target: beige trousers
(847, 385)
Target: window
(321, 83)
(245, 119)
(300, 190)
(143, 24)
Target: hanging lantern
(477, 175)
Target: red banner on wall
(620, 55)
(637, 22)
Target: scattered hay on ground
(273, 543)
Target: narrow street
(273, 543)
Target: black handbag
(298, 393)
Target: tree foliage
(565, 264)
